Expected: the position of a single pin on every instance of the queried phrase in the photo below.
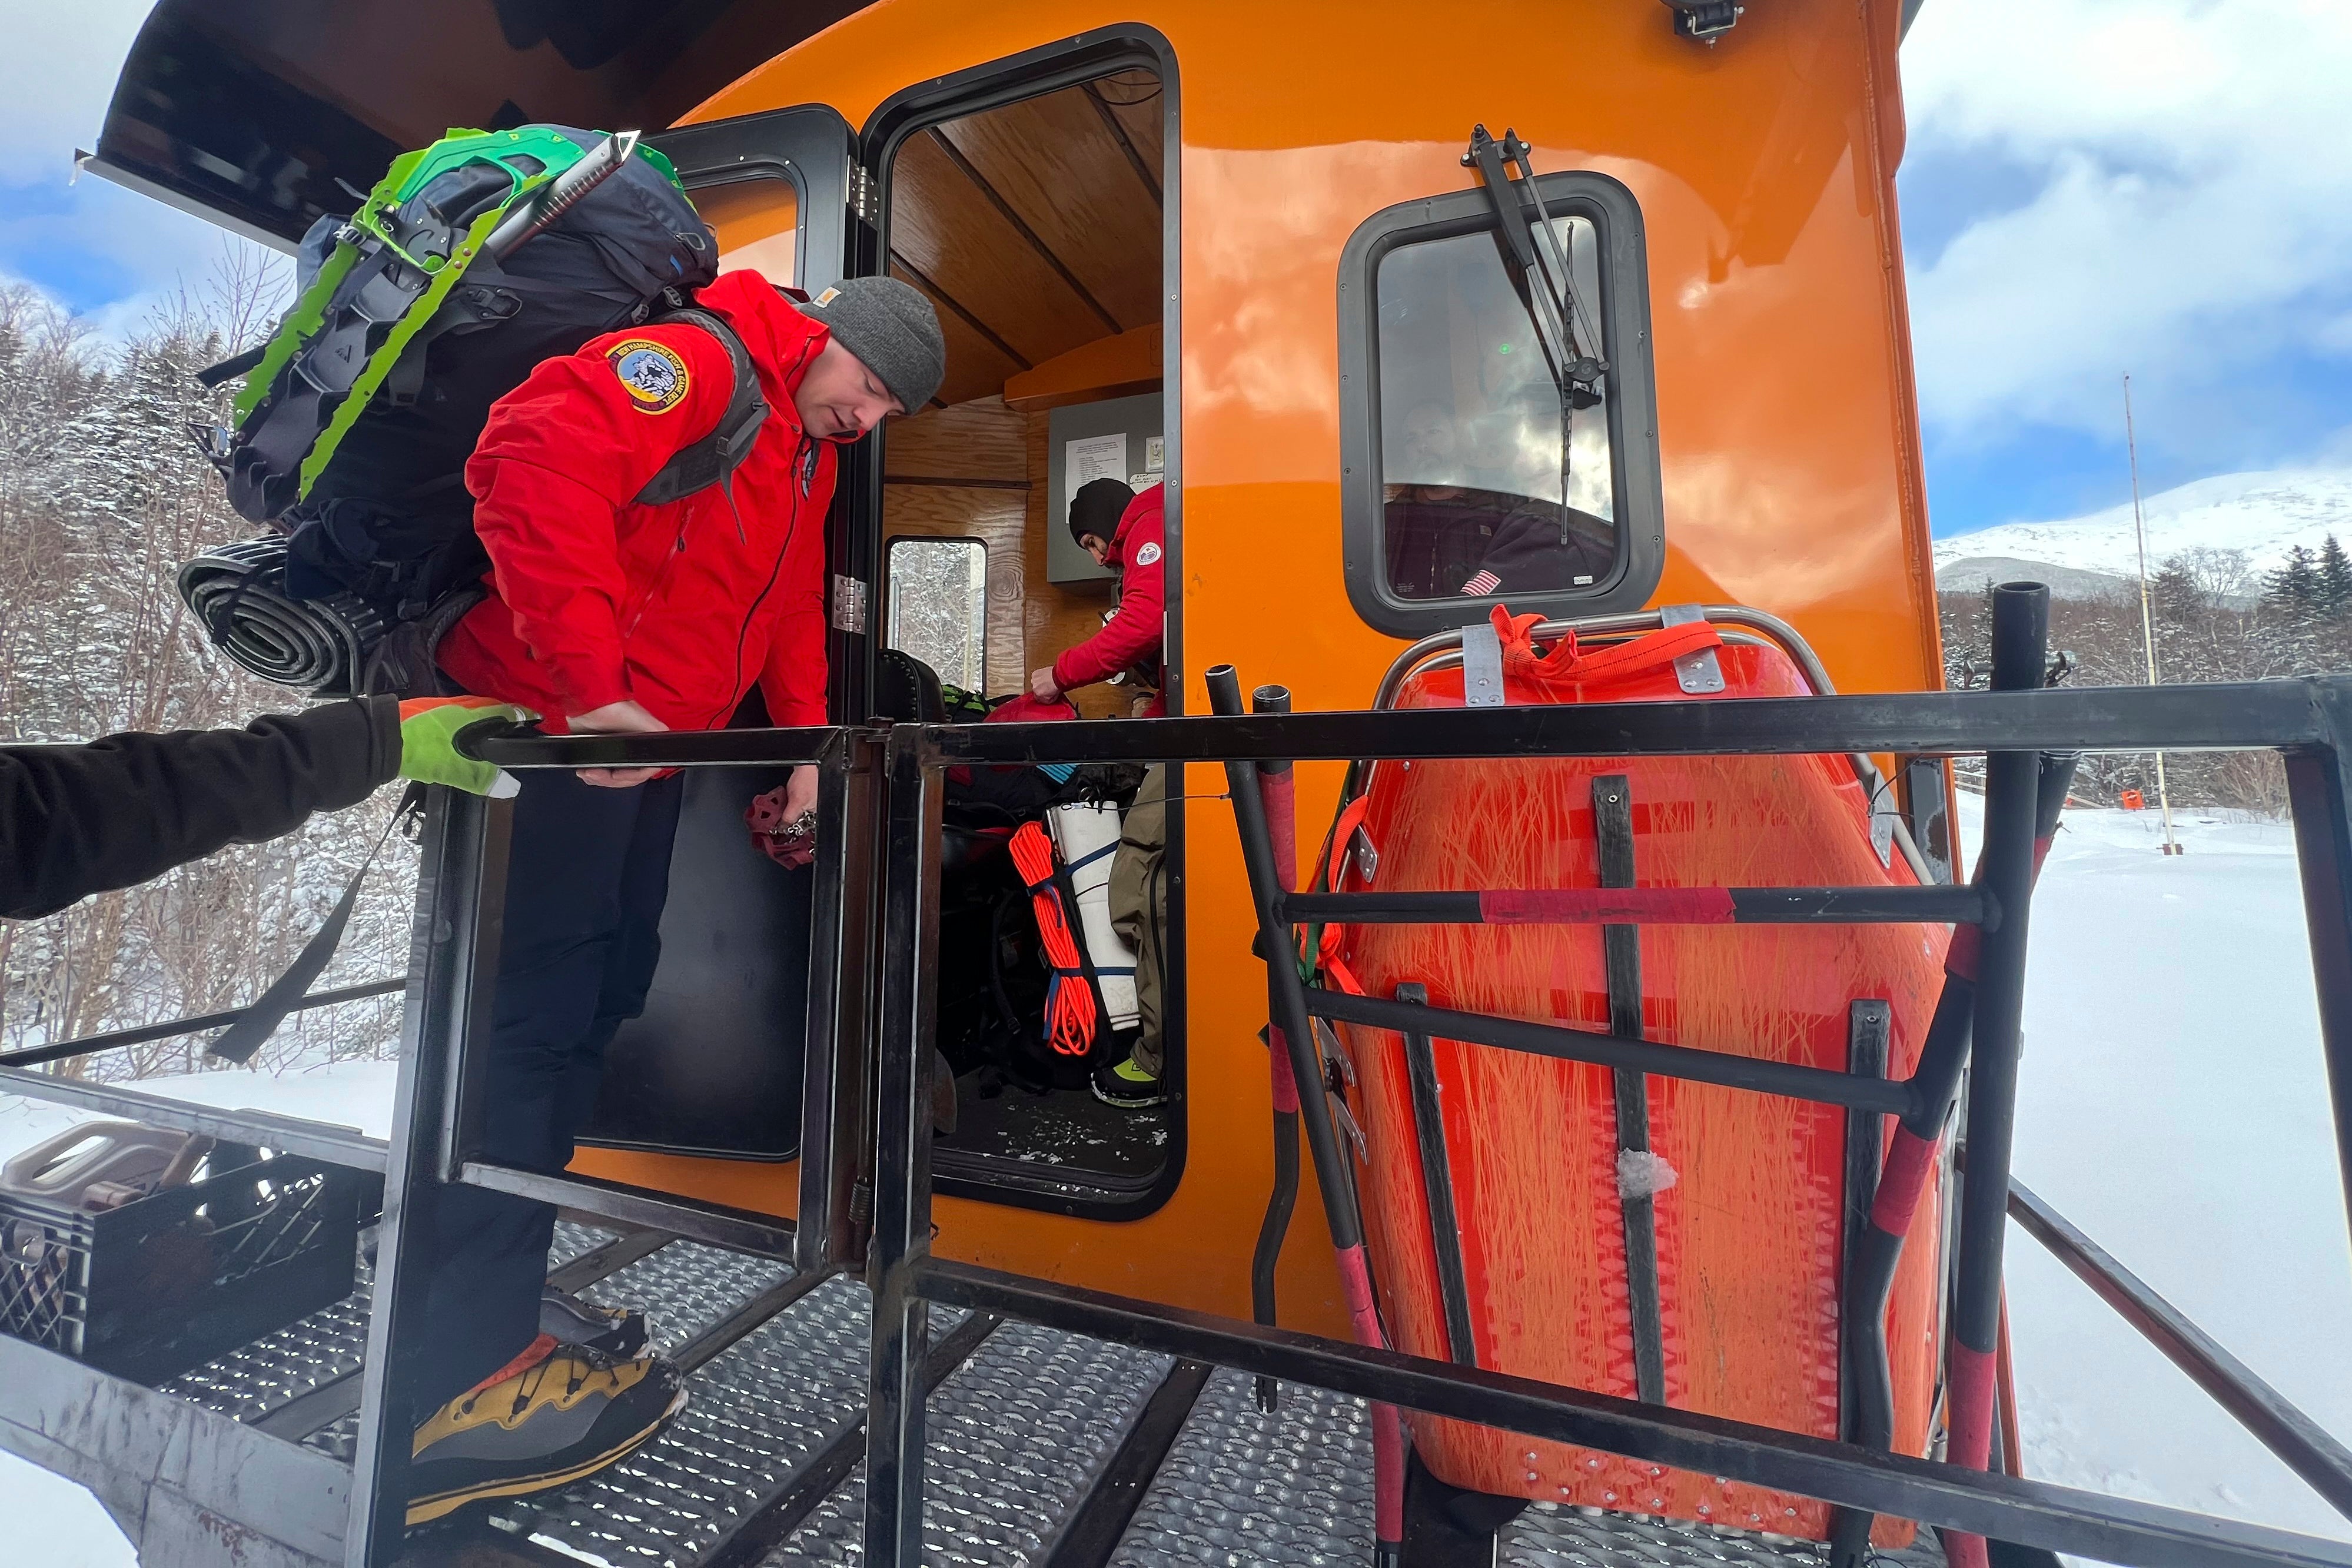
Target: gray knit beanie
(893, 330)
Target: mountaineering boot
(552, 1416)
(618, 1331)
(1126, 1085)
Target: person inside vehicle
(1123, 530)
(612, 616)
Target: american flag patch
(1481, 585)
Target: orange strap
(1569, 663)
(1069, 1001)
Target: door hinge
(864, 197)
(848, 604)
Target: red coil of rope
(1070, 1001)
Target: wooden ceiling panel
(1064, 176)
(976, 365)
(945, 226)
(1134, 100)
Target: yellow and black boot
(555, 1413)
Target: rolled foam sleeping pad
(238, 594)
(1086, 833)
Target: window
(939, 606)
(1468, 480)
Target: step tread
(1016, 1437)
(1242, 1487)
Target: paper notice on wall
(1090, 459)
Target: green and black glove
(428, 729)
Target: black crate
(150, 1289)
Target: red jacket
(1133, 638)
(594, 598)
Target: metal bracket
(848, 604)
(1482, 666)
(864, 197)
(1699, 674)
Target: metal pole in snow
(2146, 624)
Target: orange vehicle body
(1764, 168)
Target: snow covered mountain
(2264, 514)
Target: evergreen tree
(2334, 581)
(2294, 587)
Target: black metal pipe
(2021, 635)
(453, 964)
(902, 1163)
(1940, 905)
(1824, 1086)
(1282, 1200)
(1287, 998)
(1437, 1187)
(1620, 944)
(525, 746)
(2240, 716)
(2293, 715)
(715, 1225)
(2301, 1443)
(2322, 804)
(2033, 1513)
(115, 1039)
(286, 1134)
(1878, 1250)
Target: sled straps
(1070, 1000)
(1567, 662)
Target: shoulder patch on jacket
(652, 374)
(1148, 554)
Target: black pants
(587, 875)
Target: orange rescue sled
(1748, 1192)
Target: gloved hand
(429, 726)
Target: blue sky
(2090, 187)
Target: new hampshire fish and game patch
(653, 375)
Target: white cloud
(2196, 216)
(56, 76)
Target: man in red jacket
(1121, 529)
(612, 614)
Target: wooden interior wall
(962, 472)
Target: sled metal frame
(882, 788)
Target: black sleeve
(81, 820)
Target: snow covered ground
(2173, 1105)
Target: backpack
(414, 315)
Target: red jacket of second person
(1133, 638)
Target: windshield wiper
(1543, 282)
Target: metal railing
(867, 1113)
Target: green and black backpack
(471, 262)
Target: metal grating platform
(269, 1375)
(757, 1412)
(1016, 1437)
(1549, 1536)
(686, 1288)
(1241, 1488)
